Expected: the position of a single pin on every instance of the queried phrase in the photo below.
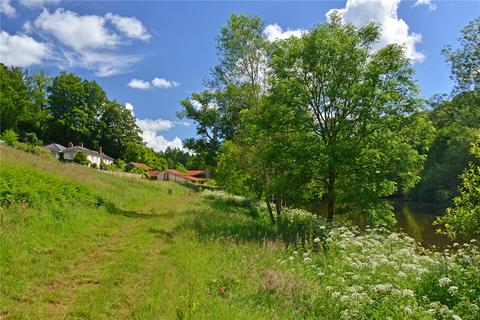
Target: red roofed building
(204, 174)
(175, 175)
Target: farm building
(92, 156)
(201, 174)
(175, 175)
(55, 149)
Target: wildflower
(408, 310)
(321, 274)
(453, 290)
(307, 260)
(408, 293)
(444, 281)
(305, 255)
(322, 227)
(295, 252)
(401, 274)
(316, 240)
(456, 317)
(291, 258)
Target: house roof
(139, 165)
(176, 173)
(55, 147)
(76, 149)
(195, 172)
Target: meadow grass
(79, 244)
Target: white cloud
(431, 6)
(154, 125)
(38, 3)
(150, 129)
(129, 106)
(197, 105)
(182, 123)
(159, 143)
(156, 82)
(77, 32)
(139, 84)
(86, 41)
(7, 9)
(130, 26)
(21, 50)
(164, 83)
(383, 12)
(275, 32)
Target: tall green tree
(75, 106)
(357, 104)
(117, 128)
(465, 61)
(18, 111)
(237, 83)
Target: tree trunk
(270, 212)
(331, 193)
(278, 207)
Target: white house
(92, 156)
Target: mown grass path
(144, 254)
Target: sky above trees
(150, 55)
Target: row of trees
(66, 108)
(322, 117)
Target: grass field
(79, 244)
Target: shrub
(228, 198)
(31, 138)
(10, 137)
(81, 158)
(94, 166)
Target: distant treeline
(67, 108)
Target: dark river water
(416, 218)
(413, 218)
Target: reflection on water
(413, 218)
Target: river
(415, 219)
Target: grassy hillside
(79, 244)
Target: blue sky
(115, 42)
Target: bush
(94, 166)
(81, 158)
(10, 137)
(228, 198)
(31, 138)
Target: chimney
(81, 144)
(70, 144)
(100, 150)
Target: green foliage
(181, 168)
(10, 137)
(135, 152)
(464, 218)
(94, 166)
(21, 184)
(359, 106)
(31, 138)
(81, 158)
(465, 60)
(455, 123)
